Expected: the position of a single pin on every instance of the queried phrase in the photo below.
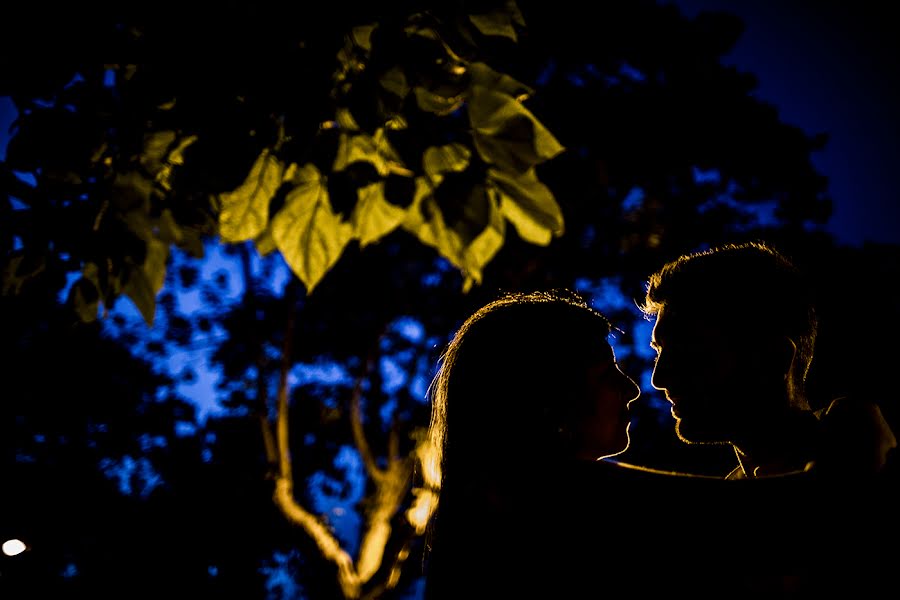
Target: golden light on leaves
(245, 211)
(374, 217)
(506, 136)
(529, 205)
(310, 236)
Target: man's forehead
(693, 321)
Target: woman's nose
(632, 389)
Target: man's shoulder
(857, 439)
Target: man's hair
(754, 283)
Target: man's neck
(780, 445)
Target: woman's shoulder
(636, 486)
(615, 467)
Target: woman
(527, 396)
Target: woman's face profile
(601, 428)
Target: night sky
(831, 67)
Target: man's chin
(695, 435)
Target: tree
(367, 148)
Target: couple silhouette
(530, 423)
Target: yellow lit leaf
(355, 147)
(394, 81)
(131, 191)
(161, 154)
(307, 231)
(506, 134)
(345, 120)
(425, 221)
(438, 160)
(486, 77)
(145, 281)
(469, 243)
(374, 217)
(360, 147)
(264, 242)
(20, 269)
(85, 299)
(167, 228)
(500, 21)
(362, 34)
(438, 104)
(155, 148)
(245, 211)
(481, 250)
(529, 205)
(176, 154)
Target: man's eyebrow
(654, 345)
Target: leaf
(85, 299)
(425, 221)
(168, 229)
(176, 154)
(156, 145)
(354, 147)
(307, 231)
(392, 162)
(471, 242)
(145, 281)
(506, 134)
(131, 191)
(483, 75)
(480, 251)
(373, 149)
(374, 217)
(440, 105)
(345, 120)
(500, 21)
(529, 205)
(245, 211)
(361, 35)
(192, 243)
(438, 160)
(264, 242)
(394, 81)
(20, 269)
(174, 158)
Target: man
(735, 329)
(735, 332)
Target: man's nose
(659, 377)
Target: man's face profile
(699, 368)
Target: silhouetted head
(527, 393)
(735, 330)
(528, 379)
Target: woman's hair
(513, 370)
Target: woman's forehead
(602, 351)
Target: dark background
(132, 457)
(831, 67)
